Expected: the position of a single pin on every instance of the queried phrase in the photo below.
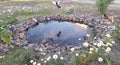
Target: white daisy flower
(108, 35)
(55, 56)
(83, 55)
(88, 35)
(1, 56)
(42, 59)
(95, 37)
(45, 61)
(94, 43)
(90, 52)
(109, 44)
(96, 49)
(108, 49)
(41, 49)
(72, 49)
(100, 59)
(38, 63)
(91, 49)
(31, 61)
(34, 63)
(85, 44)
(113, 42)
(100, 44)
(77, 54)
(61, 58)
(48, 58)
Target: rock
(43, 42)
(34, 19)
(31, 45)
(77, 47)
(6, 50)
(81, 26)
(25, 47)
(103, 26)
(1, 47)
(21, 35)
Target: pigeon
(58, 34)
(57, 4)
(110, 17)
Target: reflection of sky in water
(69, 33)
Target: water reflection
(65, 33)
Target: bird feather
(54, 2)
(58, 2)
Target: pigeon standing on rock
(57, 4)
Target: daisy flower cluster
(44, 59)
(103, 47)
(99, 47)
(34, 62)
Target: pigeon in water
(57, 4)
(58, 34)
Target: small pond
(58, 32)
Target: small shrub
(5, 34)
(102, 5)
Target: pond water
(58, 32)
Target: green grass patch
(16, 56)
(81, 60)
(68, 11)
(24, 15)
(22, 18)
(116, 35)
(44, 1)
(5, 34)
(28, 13)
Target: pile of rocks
(102, 26)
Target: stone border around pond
(103, 26)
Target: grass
(117, 31)
(24, 15)
(19, 0)
(5, 34)
(20, 16)
(83, 60)
(17, 56)
(44, 1)
(14, 57)
(108, 59)
(28, 13)
(68, 11)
